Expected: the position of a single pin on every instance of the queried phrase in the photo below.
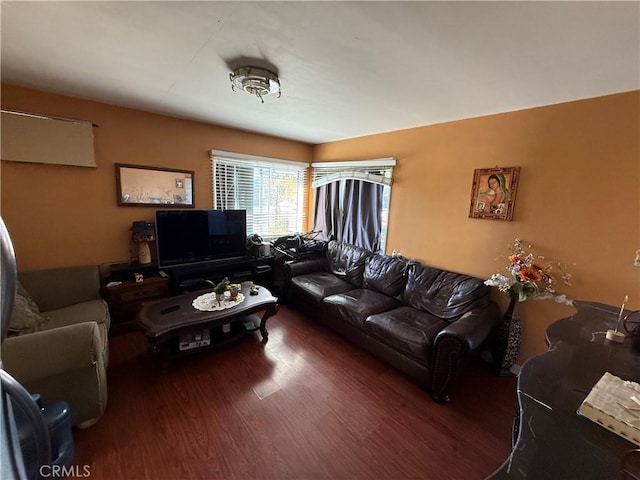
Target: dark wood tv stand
(198, 276)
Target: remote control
(170, 309)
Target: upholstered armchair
(57, 344)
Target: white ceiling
(347, 68)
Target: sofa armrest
(295, 269)
(454, 343)
(473, 328)
(39, 355)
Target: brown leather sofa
(426, 322)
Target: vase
(144, 253)
(234, 292)
(506, 345)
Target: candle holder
(615, 335)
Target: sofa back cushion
(346, 261)
(384, 274)
(444, 294)
(60, 287)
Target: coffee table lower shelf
(210, 338)
(174, 328)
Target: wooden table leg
(162, 353)
(269, 312)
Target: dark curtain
(326, 217)
(362, 214)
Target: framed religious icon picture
(493, 193)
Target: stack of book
(195, 340)
(614, 404)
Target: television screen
(191, 236)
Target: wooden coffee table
(174, 328)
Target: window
(364, 222)
(272, 191)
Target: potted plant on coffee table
(221, 288)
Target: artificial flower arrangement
(226, 286)
(531, 276)
(222, 286)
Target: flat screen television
(185, 237)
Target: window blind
(272, 191)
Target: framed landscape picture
(493, 193)
(140, 185)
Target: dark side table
(552, 440)
(124, 301)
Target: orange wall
(60, 215)
(578, 197)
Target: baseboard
(485, 356)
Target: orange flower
(531, 274)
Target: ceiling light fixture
(255, 81)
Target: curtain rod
(47, 117)
(374, 162)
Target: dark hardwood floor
(306, 405)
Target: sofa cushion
(384, 274)
(442, 293)
(347, 261)
(92, 311)
(406, 329)
(356, 305)
(316, 286)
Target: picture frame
(146, 186)
(493, 193)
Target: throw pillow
(25, 317)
